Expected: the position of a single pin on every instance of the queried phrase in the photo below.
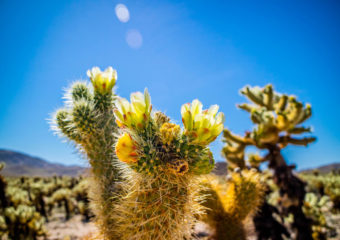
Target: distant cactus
(326, 184)
(63, 197)
(3, 184)
(80, 193)
(231, 202)
(17, 196)
(277, 118)
(23, 222)
(163, 192)
(18, 220)
(317, 209)
(88, 121)
(38, 190)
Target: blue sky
(190, 49)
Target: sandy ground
(76, 229)
(73, 229)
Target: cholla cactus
(327, 184)
(232, 202)
(156, 195)
(3, 226)
(23, 222)
(63, 197)
(80, 193)
(3, 185)
(16, 196)
(164, 161)
(37, 192)
(17, 219)
(317, 209)
(87, 120)
(277, 118)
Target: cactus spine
(277, 118)
(87, 120)
(163, 191)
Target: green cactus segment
(103, 102)
(66, 127)
(88, 121)
(80, 91)
(83, 116)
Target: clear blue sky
(190, 49)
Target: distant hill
(221, 168)
(324, 168)
(19, 164)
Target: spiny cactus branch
(296, 141)
(88, 121)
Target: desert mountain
(19, 164)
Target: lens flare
(122, 13)
(134, 39)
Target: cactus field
(58, 207)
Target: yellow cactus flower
(136, 113)
(169, 132)
(126, 149)
(103, 82)
(203, 126)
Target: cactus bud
(169, 132)
(160, 118)
(103, 82)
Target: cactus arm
(236, 138)
(269, 97)
(282, 103)
(88, 121)
(296, 141)
(307, 113)
(254, 94)
(299, 130)
(246, 107)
